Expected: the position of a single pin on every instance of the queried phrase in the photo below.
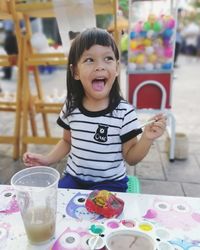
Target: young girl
(100, 127)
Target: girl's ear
(73, 72)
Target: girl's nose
(99, 68)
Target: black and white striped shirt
(96, 141)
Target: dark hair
(72, 34)
(82, 42)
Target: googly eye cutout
(85, 241)
(165, 246)
(162, 206)
(80, 200)
(70, 240)
(181, 208)
(7, 194)
(162, 234)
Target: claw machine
(152, 33)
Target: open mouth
(98, 84)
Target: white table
(174, 222)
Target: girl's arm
(60, 150)
(135, 150)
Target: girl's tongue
(98, 85)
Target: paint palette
(129, 234)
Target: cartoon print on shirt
(101, 133)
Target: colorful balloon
(147, 26)
(133, 44)
(152, 43)
(161, 60)
(158, 66)
(166, 18)
(150, 34)
(157, 26)
(168, 52)
(152, 18)
(140, 59)
(149, 50)
(132, 66)
(138, 27)
(167, 66)
(147, 42)
(149, 66)
(159, 51)
(166, 42)
(170, 23)
(132, 59)
(143, 34)
(133, 35)
(152, 58)
(140, 47)
(158, 43)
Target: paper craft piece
(73, 15)
(8, 203)
(72, 239)
(76, 208)
(173, 215)
(185, 244)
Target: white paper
(74, 15)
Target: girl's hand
(157, 128)
(31, 160)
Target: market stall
(152, 31)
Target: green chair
(133, 184)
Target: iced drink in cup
(36, 190)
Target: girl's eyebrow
(86, 54)
(89, 54)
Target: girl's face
(97, 70)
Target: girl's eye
(88, 60)
(109, 58)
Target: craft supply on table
(105, 203)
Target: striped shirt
(96, 141)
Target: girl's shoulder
(123, 109)
(125, 105)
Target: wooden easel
(33, 105)
(7, 12)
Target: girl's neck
(95, 105)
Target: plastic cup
(36, 191)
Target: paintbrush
(94, 245)
(150, 122)
(147, 123)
